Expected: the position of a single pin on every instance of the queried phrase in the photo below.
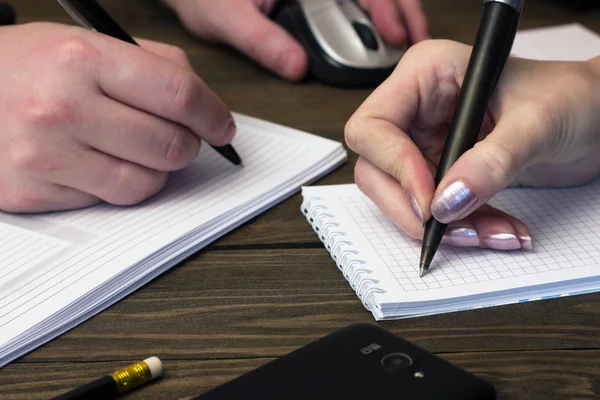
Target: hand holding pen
(492, 47)
(87, 118)
(540, 129)
(90, 14)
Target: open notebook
(381, 263)
(58, 269)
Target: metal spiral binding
(347, 258)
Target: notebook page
(563, 223)
(572, 42)
(98, 243)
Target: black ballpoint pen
(492, 47)
(90, 14)
(7, 14)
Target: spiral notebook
(381, 263)
(58, 269)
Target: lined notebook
(381, 263)
(58, 269)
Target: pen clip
(75, 14)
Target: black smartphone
(362, 361)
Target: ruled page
(96, 244)
(564, 224)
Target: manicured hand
(541, 129)
(87, 118)
(245, 25)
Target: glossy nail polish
(464, 237)
(453, 202)
(501, 241)
(526, 243)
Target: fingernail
(526, 243)
(501, 241)
(457, 236)
(415, 207)
(230, 131)
(453, 202)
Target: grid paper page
(563, 223)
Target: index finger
(419, 95)
(148, 82)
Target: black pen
(90, 14)
(7, 14)
(492, 47)
(119, 382)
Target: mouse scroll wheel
(366, 35)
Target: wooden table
(270, 287)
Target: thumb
(252, 33)
(487, 168)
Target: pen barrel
(491, 50)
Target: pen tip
(426, 258)
(241, 164)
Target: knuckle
(131, 185)
(181, 150)
(73, 52)
(181, 91)
(399, 161)
(499, 159)
(31, 156)
(396, 168)
(44, 112)
(177, 54)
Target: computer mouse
(343, 46)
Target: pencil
(119, 382)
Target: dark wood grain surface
(270, 287)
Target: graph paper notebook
(57, 270)
(381, 263)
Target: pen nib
(426, 258)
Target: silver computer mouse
(343, 45)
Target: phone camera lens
(394, 362)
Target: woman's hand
(542, 128)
